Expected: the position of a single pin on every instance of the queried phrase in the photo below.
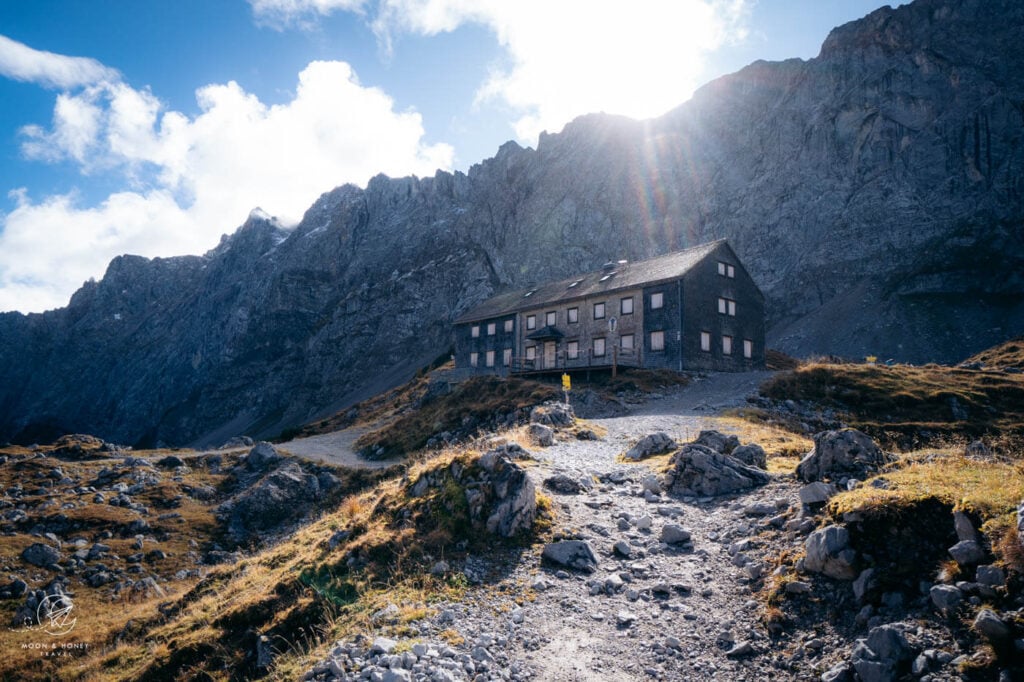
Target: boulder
(674, 534)
(817, 492)
(967, 553)
(846, 452)
(170, 462)
(13, 589)
(992, 627)
(51, 597)
(699, 470)
(717, 441)
(553, 414)
(650, 445)
(575, 554)
(281, 496)
(42, 555)
(542, 435)
(261, 457)
(829, 553)
(751, 455)
(946, 598)
(880, 657)
(560, 483)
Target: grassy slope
(904, 405)
(1008, 354)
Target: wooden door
(549, 354)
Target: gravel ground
(650, 610)
(333, 448)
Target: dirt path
(335, 448)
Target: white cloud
(190, 179)
(637, 58)
(281, 14)
(23, 63)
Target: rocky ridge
(872, 190)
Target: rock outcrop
(699, 470)
(872, 190)
(842, 453)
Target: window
(475, 331)
(506, 357)
(705, 341)
(657, 300)
(531, 321)
(474, 359)
(726, 345)
(550, 318)
(657, 340)
(599, 311)
(626, 341)
(489, 358)
(721, 268)
(492, 328)
(726, 270)
(509, 324)
(572, 350)
(531, 352)
(721, 306)
(727, 306)
(573, 315)
(626, 306)
(748, 348)
(598, 348)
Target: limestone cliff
(876, 193)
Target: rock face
(846, 452)
(505, 500)
(698, 470)
(872, 190)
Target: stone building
(696, 309)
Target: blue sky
(132, 126)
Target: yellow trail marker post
(566, 386)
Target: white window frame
(531, 321)
(722, 306)
(489, 358)
(599, 307)
(474, 359)
(726, 344)
(509, 326)
(627, 342)
(626, 306)
(600, 347)
(657, 341)
(531, 352)
(492, 328)
(507, 357)
(732, 307)
(726, 306)
(657, 300)
(572, 350)
(721, 268)
(573, 315)
(551, 318)
(705, 341)
(730, 271)
(474, 331)
(748, 348)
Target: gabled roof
(671, 266)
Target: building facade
(696, 309)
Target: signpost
(566, 386)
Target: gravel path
(333, 448)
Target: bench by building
(696, 309)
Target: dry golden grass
(1008, 354)
(906, 407)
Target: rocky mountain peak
(873, 193)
